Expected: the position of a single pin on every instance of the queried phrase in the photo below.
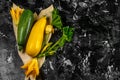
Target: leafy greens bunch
(67, 33)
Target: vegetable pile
(33, 33)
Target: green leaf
(55, 11)
(67, 36)
(56, 19)
(68, 33)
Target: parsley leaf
(66, 37)
(68, 33)
(56, 19)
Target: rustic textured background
(94, 53)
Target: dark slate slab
(94, 53)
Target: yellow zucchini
(35, 40)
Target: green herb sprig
(66, 36)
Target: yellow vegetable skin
(36, 36)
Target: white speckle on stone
(64, 58)
(79, 54)
(89, 53)
(74, 4)
(68, 62)
(82, 4)
(105, 11)
(10, 58)
(51, 65)
(2, 35)
(85, 35)
(110, 68)
(75, 17)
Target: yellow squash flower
(15, 12)
(31, 68)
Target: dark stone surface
(94, 53)
(9, 60)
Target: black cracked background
(93, 54)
